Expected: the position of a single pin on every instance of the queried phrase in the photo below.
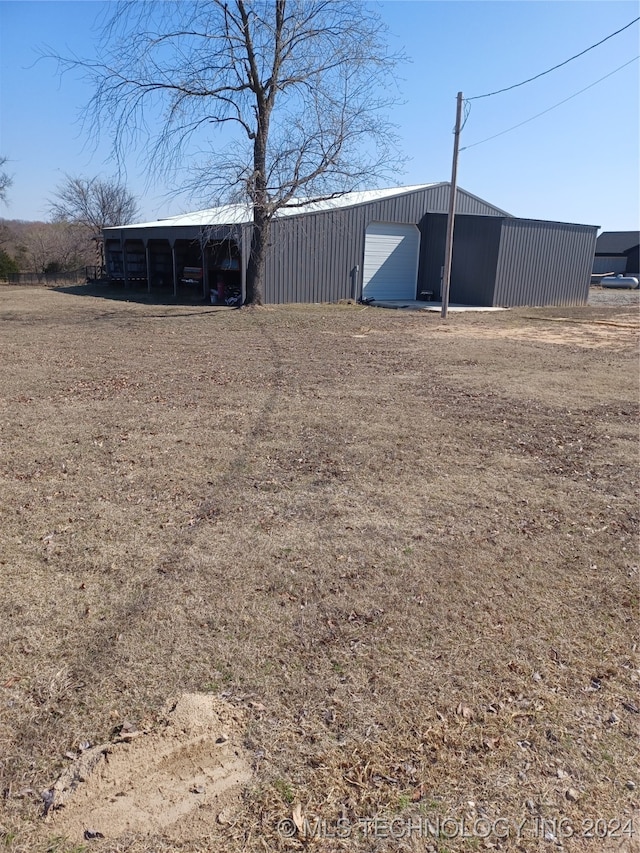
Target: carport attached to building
(197, 263)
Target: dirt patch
(617, 334)
(154, 781)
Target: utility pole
(448, 251)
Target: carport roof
(240, 214)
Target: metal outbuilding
(618, 253)
(379, 244)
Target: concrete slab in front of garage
(418, 305)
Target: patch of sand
(154, 782)
(587, 335)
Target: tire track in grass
(101, 665)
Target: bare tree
(305, 85)
(95, 204)
(6, 180)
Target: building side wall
(433, 228)
(312, 257)
(544, 263)
(476, 243)
(476, 240)
(609, 264)
(633, 261)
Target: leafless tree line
(80, 208)
(45, 247)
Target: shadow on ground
(106, 290)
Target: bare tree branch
(94, 204)
(6, 181)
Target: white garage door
(390, 269)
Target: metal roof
(616, 242)
(240, 214)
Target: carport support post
(244, 243)
(205, 264)
(147, 253)
(174, 267)
(125, 271)
(448, 251)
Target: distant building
(376, 245)
(617, 253)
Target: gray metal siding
(605, 263)
(434, 232)
(311, 257)
(544, 263)
(467, 203)
(633, 260)
(476, 242)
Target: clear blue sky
(578, 163)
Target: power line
(559, 104)
(549, 70)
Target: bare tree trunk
(261, 217)
(257, 258)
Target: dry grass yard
(396, 559)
